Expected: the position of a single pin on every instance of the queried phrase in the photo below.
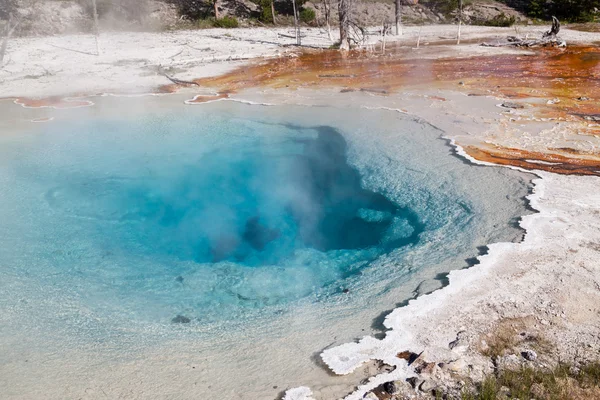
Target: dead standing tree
(273, 12)
(216, 7)
(398, 17)
(344, 8)
(296, 26)
(96, 28)
(327, 12)
(10, 28)
(460, 10)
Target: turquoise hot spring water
(171, 251)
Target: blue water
(274, 231)
(262, 221)
(210, 216)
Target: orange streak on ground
(580, 164)
(564, 74)
(53, 102)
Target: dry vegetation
(564, 382)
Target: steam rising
(260, 204)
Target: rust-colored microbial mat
(560, 84)
(53, 102)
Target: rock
(371, 396)
(510, 104)
(409, 356)
(383, 367)
(510, 362)
(389, 387)
(179, 279)
(592, 117)
(504, 391)
(456, 365)
(529, 355)
(415, 382)
(428, 386)
(553, 101)
(426, 368)
(460, 343)
(583, 98)
(385, 391)
(484, 347)
(180, 319)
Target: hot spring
(213, 251)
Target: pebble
(529, 355)
(180, 319)
(510, 104)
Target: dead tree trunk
(398, 17)
(553, 30)
(96, 29)
(296, 27)
(216, 7)
(549, 39)
(327, 6)
(344, 14)
(8, 31)
(273, 12)
(460, 7)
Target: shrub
(226, 22)
(446, 7)
(265, 11)
(192, 9)
(501, 20)
(307, 15)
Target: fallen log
(175, 80)
(549, 39)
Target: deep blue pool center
(214, 220)
(259, 204)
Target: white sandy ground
(551, 279)
(552, 276)
(59, 65)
